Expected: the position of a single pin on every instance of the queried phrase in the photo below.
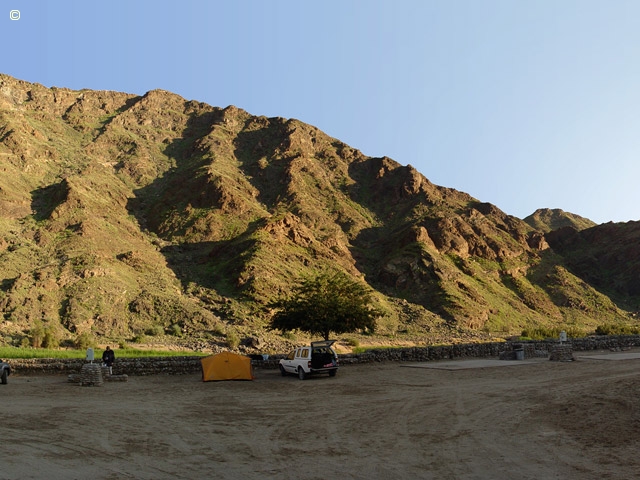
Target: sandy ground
(526, 420)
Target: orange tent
(226, 366)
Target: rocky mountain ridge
(124, 214)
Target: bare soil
(528, 421)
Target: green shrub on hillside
(175, 330)
(41, 336)
(51, 338)
(617, 329)
(233, 340)
(139, 338)
(36, 335)
(353, 342)
(155, 331)
(85, 340)
(544, 333)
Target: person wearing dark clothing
(108, 357)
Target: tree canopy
(324, 304)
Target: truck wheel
(301, 374)
(283, 371)
(3, 378)
(332, 373)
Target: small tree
(324, 304)
(36, 335)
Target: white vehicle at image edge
(317, 358)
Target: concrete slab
(610, 356)
(473, 363)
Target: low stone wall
(189, 365)
(128, 366)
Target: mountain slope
(547, 220)
(120, 214)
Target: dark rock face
(607, 256)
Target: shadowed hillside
(121, 215)
(606, 256)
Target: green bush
(68, 343)
(233, 340)
(36, 335)
(155, 331)
(140, 338)
(175, 330)
(353, 342)
(51, 338)
(85, 340)
(43, 337)
(617, 329)
(217, 330)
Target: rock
(251, 342)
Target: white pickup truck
(317, 358)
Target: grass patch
(25, 352)
(380, 347)
(22, 353)
(544, 333)
(135, 353)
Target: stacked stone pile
(91, 375)
(561, 353)
(110, 377)
(88, 378)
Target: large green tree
(329, 302)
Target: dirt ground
(524, 420)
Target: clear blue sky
(524, 104)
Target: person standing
(108, 357)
